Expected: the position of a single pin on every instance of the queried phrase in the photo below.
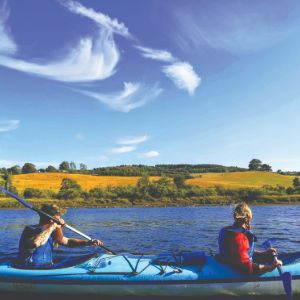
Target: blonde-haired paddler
(236, 245)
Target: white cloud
(92, 59)
(133, 140)
(113, 25)
(183, 76)
(133, 95)
(7, 44)
(149, 154)
(181, 73)
(238, 29)
(9, 125)
(161, 55)
(123, 149)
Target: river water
(153, 230)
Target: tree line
(124, 170)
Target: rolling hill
(52, 181)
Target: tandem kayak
(186, 274)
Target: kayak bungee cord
(28, 205)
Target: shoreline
(8, 203)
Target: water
(153, 230)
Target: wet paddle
(286, 277)
(28, 205)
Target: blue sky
(148, 82)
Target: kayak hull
(174, 290)
(128, 275)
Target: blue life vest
(39, 257)
(251, 238)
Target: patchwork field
(241, 179)
(52, 181)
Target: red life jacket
(236, 247)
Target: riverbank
(6, 203)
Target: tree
(50, 169)
(296, 182)
(144, 181)
(72, 166)
(266, 168)
(179, 181)
(7, 180)
(69, 189)
(64, 166)
(28, 168)
(68, 183)
(82, 167)
(15, 170)
(254, 165)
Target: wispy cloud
(92, 58)
(9, 125)
(181, 73)
(113, 25)
(238, 29)
(133, 95)
(7, 44)
(123, 149)
(133, 140)
(183, 76)
(149, 154)
(156, 54)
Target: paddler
(38, 241)
(236, 245)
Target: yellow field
(52, 181)
(241, 179)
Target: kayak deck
(126, 274)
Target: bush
(33, 193)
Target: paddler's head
(53, 210)
(242, 215)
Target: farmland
(241, 179)
(52, 181)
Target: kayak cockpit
(62, 263)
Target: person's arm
(269, 251)
(260, 268)
(241, 254)
(41, 238)
(72, 242)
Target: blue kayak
(185, 274)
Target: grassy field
(52, 181)
(241, 179)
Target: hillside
(241, 179)
(229, 180)
(52, 181)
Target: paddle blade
(287, 284)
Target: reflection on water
(153, 230)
